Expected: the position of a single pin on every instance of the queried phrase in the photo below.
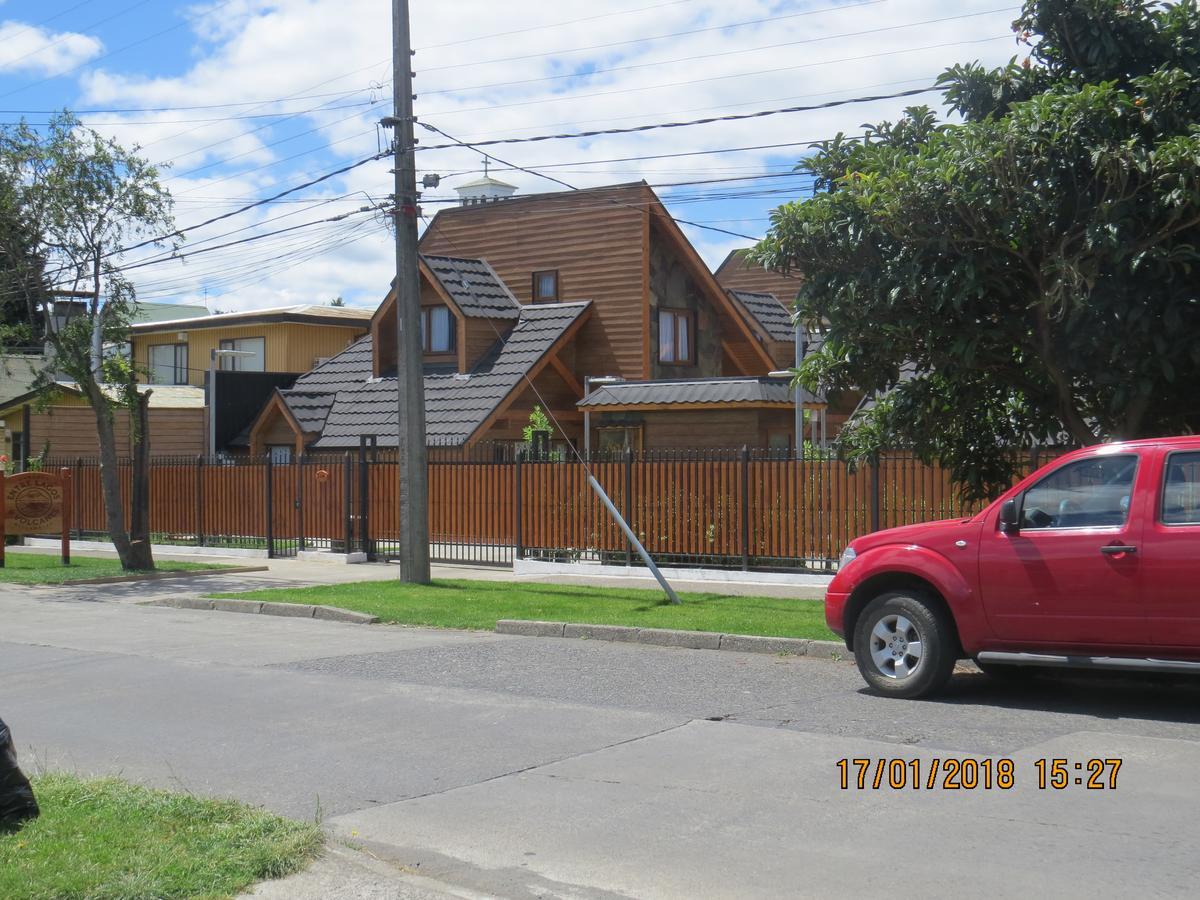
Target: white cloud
(285, 48)
(28, 48)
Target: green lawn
(109, 839)
(37, 568)
(478, 604)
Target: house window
(545, 286)
(255, 362)
(437, 329)
(675, 327)
(611, 440)
(281, 454)
(169, 364)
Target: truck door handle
(1117, 549)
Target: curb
(667, 637)
(259, 607)
(163, 576)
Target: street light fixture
(212, 393)
(588, 381)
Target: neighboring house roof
(768, 312)
(474, 287)
(163, 396)
(305, 314)
(17, 375)
(455, 405)
(755, 392)
(166, 312)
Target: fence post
(519, 550)
(78, 507)
(745, 508)
(628, 502)
(347, 516)
(364, 502)
(270, 507)
(299, 501)
(200, 498)
(875, 493)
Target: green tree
(1026, 275)
(337, 301)
(86, 199)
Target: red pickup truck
(1092, 561)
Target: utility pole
(414, 490)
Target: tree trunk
(110, 477)
(139, 507)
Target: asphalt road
(528, 767)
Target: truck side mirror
(1009, 523)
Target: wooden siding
(596, 241)
(477, 337)
(70, 431)
(735, 272)
(694, 429)
(290, 347)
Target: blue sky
(240, 99)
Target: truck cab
(1092, 561)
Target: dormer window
(545, 286)
(437, 329)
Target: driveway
(529, 767)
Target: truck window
(1088, 493)
(1181, 490)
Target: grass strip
(39, 568)
(479, 604)
(106, 839)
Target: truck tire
(905, 645)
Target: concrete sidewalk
(298, 573)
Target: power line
(564, 183)
(654, 126)
(70, 34)
(665, 62)
(547, 27)
(109, 55)
(179, 232)
(654, 37)
(574, 98)
(34, 26)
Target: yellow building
(286, 339)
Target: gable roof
(455, 405)
(474, 287)
(768, 312)
(308, 408)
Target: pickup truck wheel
(904, 645)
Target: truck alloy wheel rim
(896, 646)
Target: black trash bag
(17, 802)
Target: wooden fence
(736, 509)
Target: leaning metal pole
(662, 581)
(414, 489)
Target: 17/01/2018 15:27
(953, 774)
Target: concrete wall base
(328, 556)
(717, 576)
(164, 549)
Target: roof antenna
(485, 165)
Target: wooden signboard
(36, 503)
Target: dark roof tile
(475, 287)
(455, 405)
